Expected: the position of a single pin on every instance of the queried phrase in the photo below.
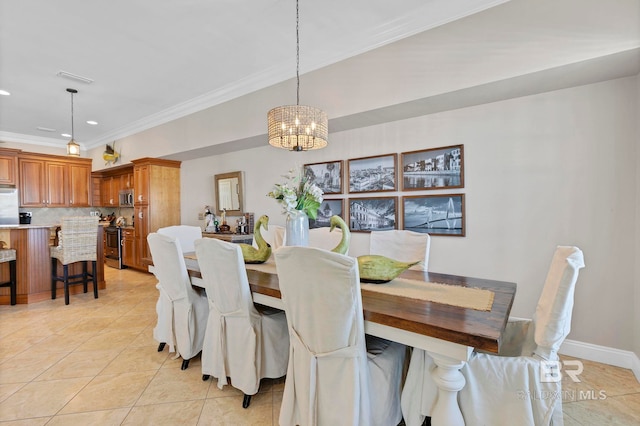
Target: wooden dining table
(448, 333)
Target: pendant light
(297, 127)
(72, 147)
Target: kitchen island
(33, 263)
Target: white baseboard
(603, 354)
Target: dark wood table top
(469, 327)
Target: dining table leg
(449, 380)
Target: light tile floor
(96, 362)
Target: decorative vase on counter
(297, 229)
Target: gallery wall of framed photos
(427, 182)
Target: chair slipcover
(240, 342)
(274, 236)
(186, 234)
(325, 239)
(331, 379)
(508, 389)
(182, 324)
(405, 246)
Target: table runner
(463, 297)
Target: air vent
(45, 129)
(75, 77)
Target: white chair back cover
(327, 379)
(240, 343)
(325, 239)
(274, 236)
(182, 312)
(512, 383)
(552, 319)
(186, 234)
(405, 246)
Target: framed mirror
(229, 193)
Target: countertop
(26, 226)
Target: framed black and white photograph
(373, 214)
(373, 174)
(327, 209)
(437, 168)
(434, 214)
(328, 176)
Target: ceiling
(153, 64)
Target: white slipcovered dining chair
(324, 238)
(182, 325)
(274, 236)
(186, 234)
(335, 375)
(510, 388)
(241, 342)
(405, 246)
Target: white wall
(549, 169)
(636, 320)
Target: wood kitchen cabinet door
(32, 192)
(108, 191)
(8, 168)
(141, 214)
(79, 185)
(141, 184)
(56, 184)
(128, 247)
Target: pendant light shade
(72, 146)
(297, 127)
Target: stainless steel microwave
(126, 198)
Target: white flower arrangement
(297, 193)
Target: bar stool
(9, 255)
(78, 240)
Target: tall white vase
(297, 229)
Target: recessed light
(45, 129)
(65, 135)
(93, 123)
(4, 93)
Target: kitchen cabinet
(79, 185)
(128, 247)
(110, 182)
(53, 181)
(8, 166)
(109, 191)
(156, 186)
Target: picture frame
(328, 208)
(373, 214)
(373, 174)
(327, 175)
(434, 168)
(434, 214)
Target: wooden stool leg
(65, 268)
(12, 277)
(94, 276)
(54, 277)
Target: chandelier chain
(297, 54)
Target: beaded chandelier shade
(297, 127)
